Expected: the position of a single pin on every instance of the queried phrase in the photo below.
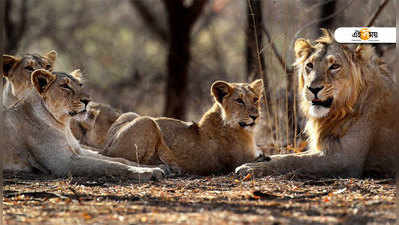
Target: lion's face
(18, 70)
(328, 79)
(239, 102)
(97, 121)
(63, 94)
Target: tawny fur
(93, 129)
(216, 144)
(17, 73)
(360, 132)
(38, 136)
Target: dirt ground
(31, 199)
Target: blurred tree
(255, 57)
(150, 19)
(181, 19)
(256, 67)
(327, 9)
(2, 6)
(15, 26)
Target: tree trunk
(326, 10)
(14, 30)
(2, 7)
(181, 19)
(256, 67)
(178, 62)
(255, 58)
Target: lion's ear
(51, 56)
(364, 52)
(327, 37)
(220, 89)
(94, 113)
(302, 48)
(8, 62)
(77, 74)
(257, 85)
(41, 80)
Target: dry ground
(30, 199)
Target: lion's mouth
(327, 103)
(74, 113)
(243, 125)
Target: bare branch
(23, 19)
(341, 10)
(283, 64)
(149, 19)
(195, 9)
(377, 13)
(14, 30)
(260, 56)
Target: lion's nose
(253, 117)
(315, 90)
(85, 101)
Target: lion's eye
(256, 99)
(334, 66)
(48, 67)
(29, 68)
(65, 86)
(239, 100)
(91, 116)
(309, 65)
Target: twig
(77, 195)
(318, 21)
(377, 13)
(280, 59)
(36, 194)
(266, 90)
(150, 20)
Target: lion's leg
(167, 157)
(88, 166)
(96, 154)
(341, 157)
(62, 162)
(136, 141)
(310, 163)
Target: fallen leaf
(247, 177)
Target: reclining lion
(352, 106)
(222, 140)
(38, 135)
(92, 130)
(17, 73)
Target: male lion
(222, 140)
(352, 106)
(38, 134)
(17, 73)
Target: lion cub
(222, 140)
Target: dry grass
(198, 200)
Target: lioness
(352, 107)
(222, 140)
(17, 73)
(38, 135)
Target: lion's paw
(244, 170)
(146, 174)
(258, 169)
